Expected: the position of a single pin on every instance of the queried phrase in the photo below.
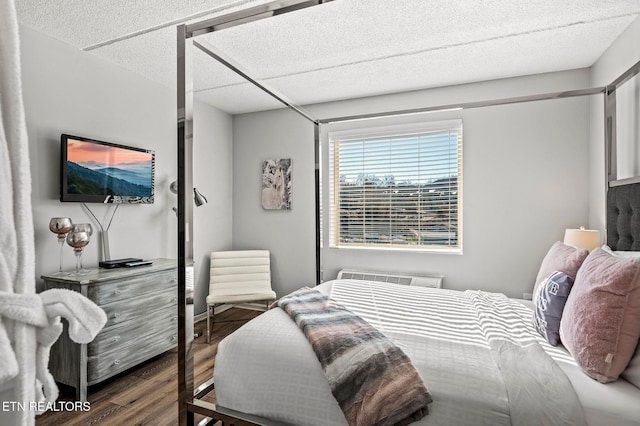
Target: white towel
(43, 311)
(25, 309)
(17, 257)
(85, 320)
(26, 331)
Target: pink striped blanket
(373, 380)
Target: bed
(267, 368)
(267, 372)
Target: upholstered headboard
(623, 217)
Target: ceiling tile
(351, 32)
(83, 23)
(342, 49)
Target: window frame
(382, 131)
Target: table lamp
(583, 238)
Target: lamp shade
(587, 239)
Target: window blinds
(397, 187)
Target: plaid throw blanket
(373, 381)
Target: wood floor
(147, 394)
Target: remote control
(139, 263)
(117, 263)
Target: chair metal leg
(209, 324)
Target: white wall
(289, 234)
(525, 178)
(622, 54)
(69, 91)
(212, 164)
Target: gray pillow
(549, 300)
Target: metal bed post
(318, 212)
(185, 228)
(610, 131)
(468, 105)
(188, 400)
(610, 138)
(190, 403)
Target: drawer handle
(118, 291)
(174, 318)
(116, 315)
(116, 362)
(116, 338)
(174, 281)
(174, 337)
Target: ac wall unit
(433, 281)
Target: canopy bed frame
(189, 399)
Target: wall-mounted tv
(93, 171)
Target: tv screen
(101, 172)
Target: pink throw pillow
(562, 258)
(600, 323)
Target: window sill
(401, 249)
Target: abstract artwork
(276, 184)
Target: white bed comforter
(476, 352)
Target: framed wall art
(276, 184)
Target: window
(397, 187)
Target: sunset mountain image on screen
(100, 169)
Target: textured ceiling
(343, 49)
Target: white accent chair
(239, 276)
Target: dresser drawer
(104, 365)
(141, 308)
(133, 287)
(137, 308)
(118, 337)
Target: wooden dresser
(141, 307)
